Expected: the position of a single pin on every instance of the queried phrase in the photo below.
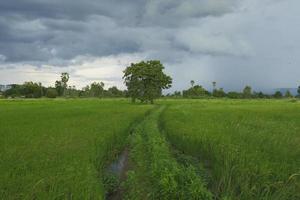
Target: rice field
(175, 149)
(251, 149)
(58, 149)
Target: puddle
(119, 168)
(119, 165)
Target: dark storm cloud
(33, 30)
(233, 42)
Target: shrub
(51, 93)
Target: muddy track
(122, 165)
(151, 156)
(120, 168)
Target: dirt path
(158, 172)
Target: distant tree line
(197, 91)
(144, 81)
(61, 89)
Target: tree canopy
(247, 92)
(146, 80)
(196, 91)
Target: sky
(232, 42)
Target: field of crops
(57, 149)
(177, 149)
(250, 149)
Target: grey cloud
(172, 12)
(230, 41)
(66, 29)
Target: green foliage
(51, 93)
(27, 90)
(96, 89)
(32, 90)
(247, 92)
(278, 95)
(214, 83)
(192, 83)
(146, 80)
(61, 85)
(72, 92)
(110, 182)
(59, 149)
(196, 91)
(219, 93)
(251, 147)
(59, 88)
(156, 174)
(115, 92)
(64, 80)
(234, 95)
(288, 94)
(259, 95)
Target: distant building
(3, 88)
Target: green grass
(155, 173)
(251, 148)
(57, 149)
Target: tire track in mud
(122, 164)
(149, 169)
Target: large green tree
(146, 80)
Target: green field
(57, 149)
(251, 149)
(178, 149)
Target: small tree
(115, 92)
(214, 83)
(59, 88)
(97, 89)
(247, 92)
(192, 83)
(31, 90)
(233, 95)
(278, 95)
(146, 80)
(298, 91)
(51, 93)
(64, 80)
(196, 91)
(288, 94)
(260, 95)
(219, 93)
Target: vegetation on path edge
(156, 174)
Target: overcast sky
(232, 42)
